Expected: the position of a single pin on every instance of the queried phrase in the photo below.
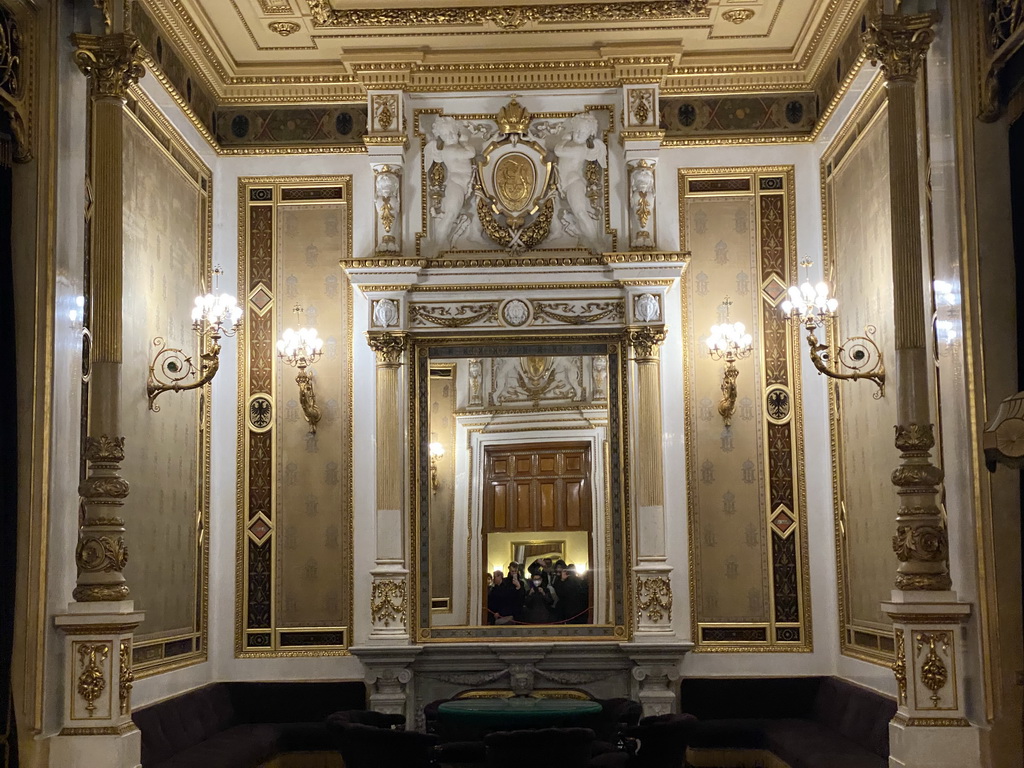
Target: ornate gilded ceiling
(305, 51)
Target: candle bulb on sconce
(213, 316)
(300, 349)
(812, 307)
(729, 342)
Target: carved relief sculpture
(387, 601)
(475, 382)
(387, 201)
(448, 157)
(91, 682)
(581, 159)
(654, 595)
(385, 313)
(641, 205)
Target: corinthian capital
(646, 342)
(388, 346)
(112, 63)
(899, 43)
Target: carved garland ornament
(934, 674)
(91, 682)
(654, 595)
(387, 601)
(454, 317)
(899, 666)
(113, 63)
(126, 680)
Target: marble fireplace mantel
(402, 679)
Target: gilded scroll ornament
(507, 18)
(388, 347)
(387, 200)
(101, 553)
(113, 63)
(899, 666)
(934, 674)
(126, 679)
(91, 682)
(641, 102)
(387, 601)
(573, 313)
(654, 595)
(926, 543)
(646, 342)
(899, 43)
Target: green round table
(471, 719)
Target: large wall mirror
(521, 499)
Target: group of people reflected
(552, 592)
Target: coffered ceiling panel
(283, 46)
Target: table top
(520, 707)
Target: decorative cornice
(113, 63)
(899, 43)
(506, 17)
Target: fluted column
(389, 600)
(652, 572)
(926, 613)
(98, 627)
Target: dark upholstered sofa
(246, 725)
(805, 722)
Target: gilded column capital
(899, 43)
(113, 63)
(389, 348)
(646, 342)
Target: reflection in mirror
(516, 531)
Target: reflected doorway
(537, 533)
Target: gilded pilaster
(641, 143)
(653, 575)
(389, 596)
(112, 63)
(925, 612)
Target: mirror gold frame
(614, 514)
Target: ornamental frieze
(518, 313)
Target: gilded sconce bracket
(307, 399)
(859, 355)
(729, 342)
(171, 369)
(300, 349)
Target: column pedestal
(655, 675)
(389, 678)
(97, 726)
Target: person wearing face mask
(538, 607)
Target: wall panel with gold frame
(167, 246)
(294, 578)
(750, 588)
(856, 214)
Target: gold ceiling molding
(244, 62)
(507, 17)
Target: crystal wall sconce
(729, 342)
(858, 357)
(171, 370)
(301, 348)
(436, 452)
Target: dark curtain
(9, 466)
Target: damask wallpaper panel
(166, 263)
(745, 485)
(295, 486)
(855, 175)
(311, 497)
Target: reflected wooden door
(538, 487)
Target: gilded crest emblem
(515, 204)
